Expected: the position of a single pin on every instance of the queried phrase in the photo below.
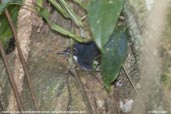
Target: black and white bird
(84, 54)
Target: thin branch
(106, 106)
(69, 94)
(11, 78)
(84, 93)
(23, 62)
(134, 53)
(116, 101)
(1, 106)
(127, 75)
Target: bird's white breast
(75, 58)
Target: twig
(11, 78)
(1, 106)
(81, 70)
(116, 100)
(23, 62)
(133, 52)
(84, 93)
(69, 94)
(94, 102)
(133, 85)
(106, 106)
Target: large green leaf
(113, 56)
(102, 16)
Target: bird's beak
(63, 53)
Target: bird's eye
(74, 50)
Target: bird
(84, 54)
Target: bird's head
(70, 51)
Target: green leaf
(113, 56)
(59, 8)
(39, 3)
(71, 13)
(16, 2)
(82, 4)
(102, 17)
(5, 31)
(65, 32)
(3, 5)
(45, 14)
